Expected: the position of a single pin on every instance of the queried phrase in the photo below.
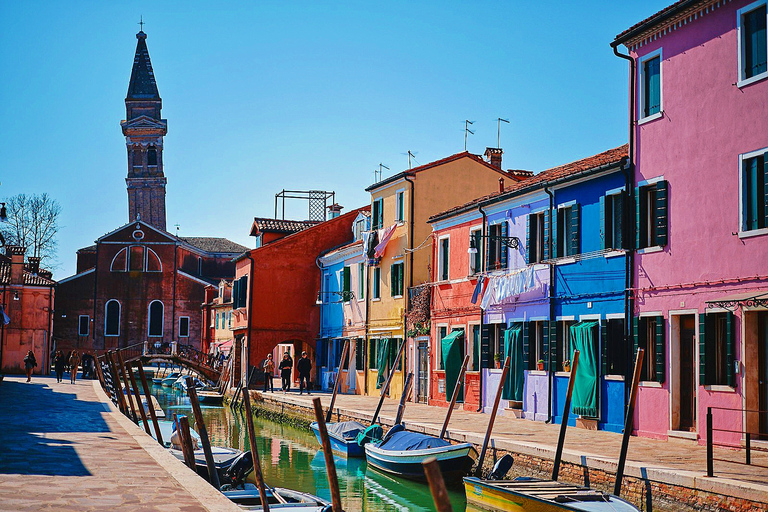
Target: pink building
(699, 139)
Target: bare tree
(33, 222)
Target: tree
(33, 222)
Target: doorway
(423, 371)
(687, 382)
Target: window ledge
(753, 232)
(615, 253)
(562, 374)
(397, 296)
(751, 80)
(540, 373)
(650, 384)
(650, 118)
(617, 378)
(721, 388)
(376, 300)
(650, 250)
(565, 261)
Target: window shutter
(660, 349)
(618, 220)
(545, 344)
(243, 291)
(603, 225)
(553, 232)
(485, 346)
(235, 294)
(638, 219)
(502, 244)
(765, 188)
(381, 213)
(604, 346)
(729, 350)
(635, 336)
(478, 258)
(528, 239)
(346, 283)
(502, 330)
(393, 280)
(575, 230)
(553, 341)
(526, 347)
(662, 196)
(547, 232)
(703, 349)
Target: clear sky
(262, 96)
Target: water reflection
(290, 458)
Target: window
(373, 360)
(346, 285)
(753, 43)
(497, 251)
(563, 350)
(650, 86)
(120, 261)
(258, 242)
(240, 292)
(475, 258)
(614, 348)
(136, 261)
(536, 238)
(442, 258)
(184, 326)
(397, 279)
(473, 349)
(754, 203)
(442, 332)
(535, 339)
(611, 220)
(152, 157)
(199, 266)
(359, 353)
(359, 228)
(568, 236)
(377, 219)
(83, 323)
(716, 349)
(112, 318)
(153, 261)
(155, 322)
(651, 215)
(400, 206)
(360, 281)
(376, 283)
(649, 335)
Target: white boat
(294, 501)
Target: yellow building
(401, 204)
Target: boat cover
(345, 429)
(402, 441)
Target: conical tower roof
(142, 85)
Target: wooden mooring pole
(628, 422)
(213, 475)
(255, 453)
(137, 392)
(150, 405)
(566, 414)
(385, 389)
(330, 465)
(437, 485)
(336, 385)
(455, 395)
(186, 442)
(406, 392)
(487, 437)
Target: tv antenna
(467, 122)
(411, 155)
(177, 229)
(498, 131)
(377, 173)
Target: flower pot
(540, 366)
(566, 368)
(498, 365)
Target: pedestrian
(29, 364)
(58, 365)
(286, 366)
(74, 362)
(269, 371)
(304, 367)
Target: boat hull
(345, 447)
(455, 461)
(296, 501)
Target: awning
(223, 346)
(745, 299)
(583, 339)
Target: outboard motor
(239, 469)
(501, 468)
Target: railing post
(749, 447)
(145, 350)
(710, 462)
(174, 348)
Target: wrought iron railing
(747, 438)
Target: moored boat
(209, 397)
(169, 380)
(295, 501)
(223, 458)
(343, 437)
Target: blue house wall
(332, 322)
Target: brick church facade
(139, 282)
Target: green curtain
(513, 347)
(451, 351)
(584, 400)
(382, 360)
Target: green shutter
(392, 280)
(638, 219)
(478, 257)
(526, 346)
(703, 381)
(345, 283)
(545, 343)
(660, 349)
(661, 213)
(604, 346)
(603, 225)
(485, 346)
(502, 244)
(554, 339)
(575, 230)
(547, 233)
(729, 349)
(765, 189)
(235, 294)
(528, 239)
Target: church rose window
(112, 318)
(156, 318)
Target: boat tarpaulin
(451, 352)
(382, 360)
(402, 441)
(345, 429)
(584, 400)
(513, 347)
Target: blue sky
(265, 96)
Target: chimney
(493, 155)
(16, 254)
(501, 185)
(334, 210)
(33, 264)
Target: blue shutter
(547, 233)
(618, 220)
(528, 239)
(661, 213)
(574, 245)
(729, 350)
(604, 225)
(703, 350)
(553, 231)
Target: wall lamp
(327, 297)
(510, 241)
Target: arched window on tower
(152, 156)
(112, 318)
(155, 318)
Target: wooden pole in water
(455, 395)
(138, 398)
(116, 384)
(330, 465)
(406, 391)
(255, 453)
(385, 389)
(186, 443)
(566, 413)
(628, 422)
(128, 394)
(493, 416)
(213, 475)
(150, 405)
(336, 386)
(437, 485)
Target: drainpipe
(367, 317)
(410, 271)
(173, 307)
(47, 353)
(95, 290)
(250, 318)
(482, 313)
(629, 221)
(320, 333)
(552, 316)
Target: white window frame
(188, 326)
(439, 345)
(611, 194)
(641, 86)
(400, 199)
(752, 232)
(472, 231)
(440, 259)
(376, 296)
(119, 317)
(361, 275)
(742, 82)
(469, 334)
(391, 269)
(149, 320)
(87, 325)
(534, 217)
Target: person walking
(74, 362)
(29, 364)
(304, 367)
(269, 372)
(286, 366)
(58, 365)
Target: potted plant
(497, 360)
(567, 365)
(540, 365)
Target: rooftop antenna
(411, 155)
(177, 229)
(467, 122)
(377, 174)
(141, 23)
(498, 131)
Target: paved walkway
(675, 461)
(63, 447)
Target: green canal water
(290, 457)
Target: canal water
(290, 457)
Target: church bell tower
(144, 131)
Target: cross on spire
(141, 23)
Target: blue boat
(401, 453)
(343, 437)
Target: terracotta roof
(266, 225)
(612, 156)
(660, 16)
(41, 278)
(214, 244)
